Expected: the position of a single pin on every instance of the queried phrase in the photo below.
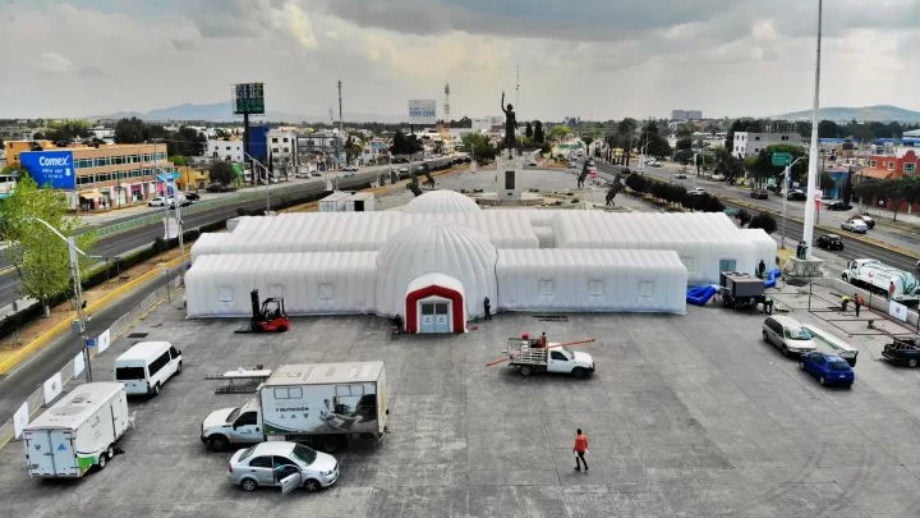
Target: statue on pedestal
(510, 127)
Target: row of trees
(674, 194)
(184, 142)
(896, 192)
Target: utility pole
(808, 233)
(341, 124)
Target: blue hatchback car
(829, 369)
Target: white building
(434, 262)
(228, 150)
(748, 143)
(282, 146)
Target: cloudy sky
(597, 59)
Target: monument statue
(510, 127)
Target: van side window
(159, 363)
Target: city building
(902, 162)
(748, 143)
(14, 147)
(686, 115)
(104, 177)
(230, 150)
(282, 151)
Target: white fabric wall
(764, 247)
(591, 280)
(437, 247)
(700, 239)
(311, 283)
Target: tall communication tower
(447, 102)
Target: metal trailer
(78, 432)
(741, 291)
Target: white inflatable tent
(707, 243)
(311, 283)
(591, 280)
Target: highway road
(852, 249)
(296, 191)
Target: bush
(764, 221)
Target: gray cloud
(183, 44)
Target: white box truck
(324, 404)
(78, 432)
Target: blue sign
(50, 168)
(90, 342)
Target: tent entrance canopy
(435, 304)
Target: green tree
(186, 142)
(538, 135)
(559, 132)
(764, 221)
(587, 140)
(222, 172)
(68, 130)
(528, 131)
(130, 131)
(479, 146)
(405, 144)
(41, 259)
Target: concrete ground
(687, 416)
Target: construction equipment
(267, 317)
(741, 291)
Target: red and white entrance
(435, 303)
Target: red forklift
(267, 317)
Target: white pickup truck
(526, 355)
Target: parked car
(828, 369)
(302, 174)
(218, 187)
(400, 160)
(796, 195)
(718, 177)
(830, 242)
(158, 201)
(653, 163)
(865, 218)
(316, 173)
(681, 176)
(788, 334)
(696, 191)
(838, 205)
(283, 464)
(760, 194)
(194, 196)
(532, 163)
(351, 168)
(904, 351)
(855, 225)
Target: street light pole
(268, 190)
(809, 229)
(72, 252)
(785, 191)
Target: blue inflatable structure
(772, 275)
(700, 295)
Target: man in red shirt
(580, 448)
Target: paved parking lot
(687, 416)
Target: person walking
(857, 303)
(580, 448)
(487, 308)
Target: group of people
(857, 301)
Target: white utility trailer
(78, 432)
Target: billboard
(249, 98)
(422, 111)
(50, 168)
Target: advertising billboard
(50, 168)
(422, 111)
(249, 98)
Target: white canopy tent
(591, 280)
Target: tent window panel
(326, 291)
(728, 265)
(225, 294)
(546, 287)
(689, 264)
(646, 289)
(596, 288)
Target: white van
(144, 368)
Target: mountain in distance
(223, 112)
(878, 113)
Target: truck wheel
(580, 373)
(249, 484)
(822, 381)
(102, 461)
(764, 334)
(526, 370)
(179, 369)
(802, 365)
(785, 351)
(110, 452)
(156, 389)
(218, 443)
(312, 485)
(912, 363)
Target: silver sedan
(287, 465)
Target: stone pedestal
(802, 271)
(508, 171)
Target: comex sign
(50, 168)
